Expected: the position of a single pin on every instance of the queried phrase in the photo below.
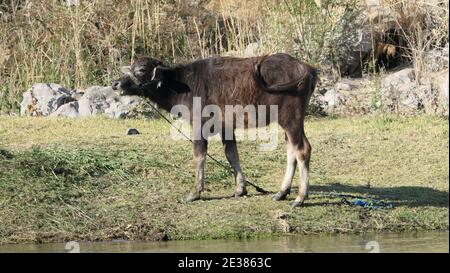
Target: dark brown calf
(277, 79)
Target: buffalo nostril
(115, 85)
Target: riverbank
(66, 179)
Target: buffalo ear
(126, 70)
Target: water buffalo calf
(277, 79)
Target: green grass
(64, 179)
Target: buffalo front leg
(232, 155)
(200, 150)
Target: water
(386, 242)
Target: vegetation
(82, 45)
(65, 179)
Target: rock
(69, 110)
(344, 86)
(440, 84)
(436, 59)
(77, 94)
(444, 103)
(444, 86)
(97, 100)
(70, 3)
(412, 97)
(334, 99)
(132, 131)
(123, 106)
(404, 76)
(104, 100)
(360, 47)
(42, 99)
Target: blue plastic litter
(373, 204)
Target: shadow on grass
(403, 196)
(409, 196)
(231, 196)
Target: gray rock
(96, 100)
(121, 107)
(436, 59)
(412, 98)
(104, 100)
(444, 86)
(344, 86)
(440, 85)
(334, 98)
(400, 93)
(70, 3)
(132, 131)
(359, 47)
(42, 99)
(69, 110)
(77, 94)
(404, 76)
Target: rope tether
(359, 200)
(227, 168)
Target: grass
(65, 179)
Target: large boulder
(42, 99)
(96, 100)
(400, 93)
(404, 76)
(100, 100)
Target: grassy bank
(63, 179)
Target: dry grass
(79, 46)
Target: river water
(384, 242)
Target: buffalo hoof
(241, 192)
(193, 196)
(281, 195)
(298, 202)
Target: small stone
(132, 131)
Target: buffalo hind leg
(200, 150)
(290, 170)
(303, 156)
(232, 156)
